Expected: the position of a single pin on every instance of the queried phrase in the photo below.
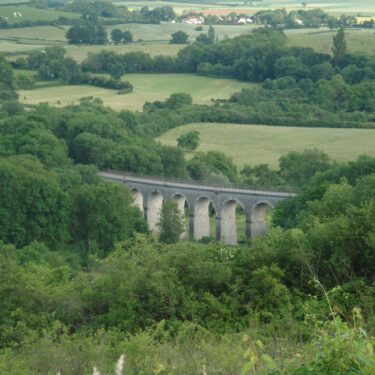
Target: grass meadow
(19, 13)
(147, 87)
(34, 35)
(224, 7)
(358, 40)
(79, 53)
(256, 144)
(154, 39)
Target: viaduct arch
(149, 193)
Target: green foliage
(204, 166)
(189, 141)
(171, 223)
(339, 349)
(119, 36)
(103, 215)
(33, 205)
(179, 37)
(178, 100)
(7, 91)
(339, 47)
(297, 168)
(87, 33)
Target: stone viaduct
(148, 194)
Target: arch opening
(183, 207)
(232, 222)
(137, 199)
(154, 206)
(204, 219)
(260, 213)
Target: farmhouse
(244, 20)
(193, 20)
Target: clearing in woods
(260, 144)
(147, 87)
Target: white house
(193, 20)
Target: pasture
(162, 32)
(20, 13)
(147, 87)
(215, 7)
(154, 39)
(34, 35)
(256, 144)
(358, 40)
(79, 53)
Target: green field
(162, 32)
(256, 144)
(34, 35)
(79, 53)
(21, 13)
(358, 40)
(154, 39)
(147, 87)
(331, 6)
(216, 7)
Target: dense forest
(82, 281)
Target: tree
(179, 37)
(116, 35)
(203, 166)
(296, 168)
(171, 222)
(127, 36)
(87, 33)
(103, 215)
(116, 71)
(178, 100)
(208, 38)
(339, 47)
(189, 141)
(33, 207)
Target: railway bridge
(197, 199)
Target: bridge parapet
(197, 198)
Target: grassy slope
(147, 87)
(254, 144)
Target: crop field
(20, 13)
(147, 87)
(256, 144)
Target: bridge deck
(195, 185)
